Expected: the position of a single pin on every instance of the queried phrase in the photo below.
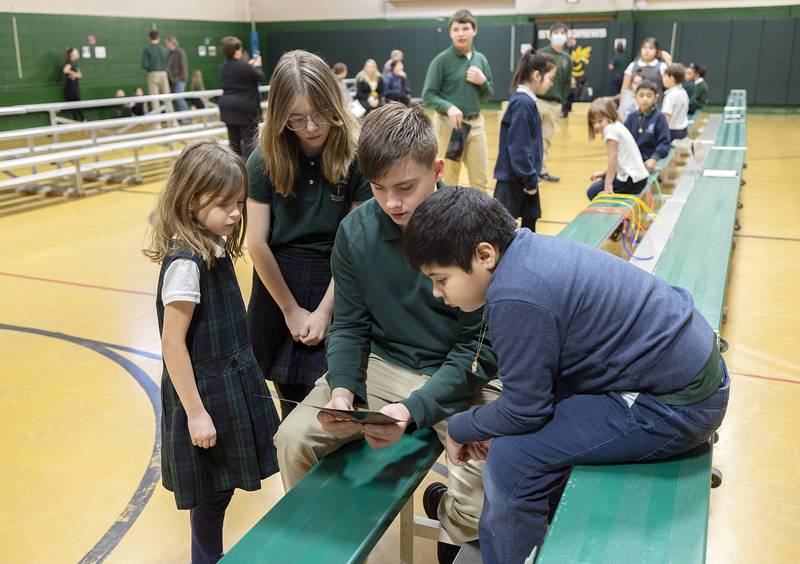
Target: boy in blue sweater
(592, 372)
(649, 126)
(520, 154)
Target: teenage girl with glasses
(304, 178)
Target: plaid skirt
(244, 454)
(282, 360)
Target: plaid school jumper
(228, 380)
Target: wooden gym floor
(80, 372)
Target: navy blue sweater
(519, 157)
(563, 314)
(654, 140)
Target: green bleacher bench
(657, 512)
(368, 489)
(338, 512)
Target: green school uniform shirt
(155, 58)
(384, 306)
(308, 219)
(700, 96)
(446, 82)
(561, 83)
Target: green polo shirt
(690, 88)
(384, 306)
(155, 58)
(618, 62)
(561, 83)
(308, 219)
(446, 82)
(700, 96)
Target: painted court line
(125, 520)
(762, 377)
(78, 284)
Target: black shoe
(549, 177)
(431, 498)
(446, 553)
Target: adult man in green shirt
(155, 60)
(392, 345)
(550, 102)
(458, 80)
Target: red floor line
(761, 377)
(79, 284)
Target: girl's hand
(598, 175)
(650, 165)
(608, 189)
(372, 101)
(202, 430)
(316, 327)
(297, 322)
(530, 191)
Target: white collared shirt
(676, 104)
(525, 90)
(182, 280)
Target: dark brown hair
(392, 133)
(230, 45)
(463, 16)
(153, 35)
(529, 62)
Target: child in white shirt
(625, 173)
(676, 102)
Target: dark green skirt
(244, 454)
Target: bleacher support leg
(407, 532)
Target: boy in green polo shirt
(392, 346)
(458, 80)
(550, 102)
(155, 60)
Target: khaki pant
(475, 155)
(158, 83)
(550, 112)
(301, 443)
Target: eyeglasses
(299, 123)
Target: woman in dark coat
(72, 74)
(240, 104)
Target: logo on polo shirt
(338, 197)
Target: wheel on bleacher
(739, 205)
(723, 345)
(737, 227)
(744, 165)
(742, 181)
(715, 438)
(716, 477)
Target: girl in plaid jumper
(216, 432)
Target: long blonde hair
(302, 73)
(205, 169)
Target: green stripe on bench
(341, 508)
